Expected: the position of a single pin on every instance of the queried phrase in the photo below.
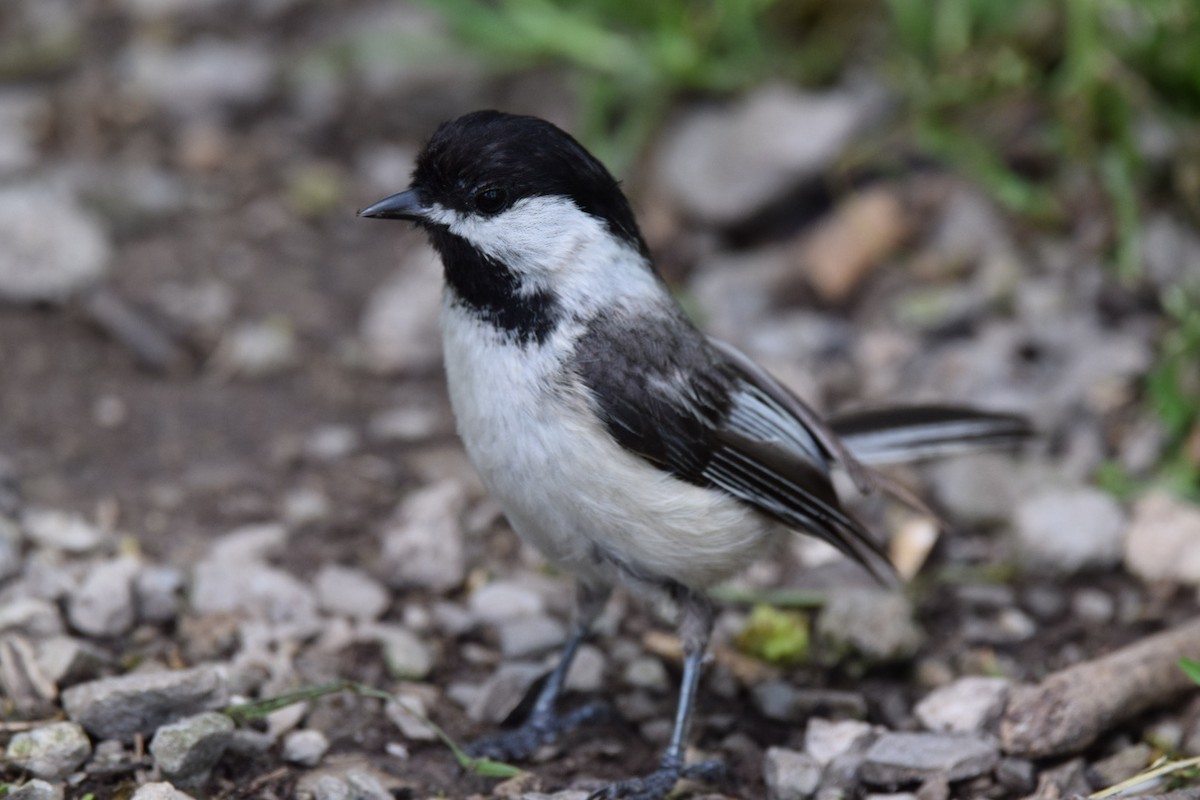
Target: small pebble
(187, 750)
(305, 747)
(51, 751)
(790, 775)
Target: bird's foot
(539, 730)
(658, 784)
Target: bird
(624, 444)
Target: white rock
(1163, 542)
(350, 592)
(41, 262)
(790, 775)
(306, 747)
(18, 111)
(31, 616)
(36, 789)
(103, 604)
(158, 588)
(407, 657)
(51, 751)
(826, 739)
(159, 791)
(968, 705)
(250, 543)
(257, 590)
(500, 601)
(423, 544)
(723, 164)
(646, 672)
(528, 636)
(1066, 530)
(587, 670)
(399, 327)
(188, 749)
(62, 530)
(875, 623)
(404, 715)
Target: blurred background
(988, 201)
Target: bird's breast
(566, 485)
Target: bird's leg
(696, 619)
(544, 725)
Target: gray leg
(543, 726)
(696, 619)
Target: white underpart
(566, 485)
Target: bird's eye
(490, 200)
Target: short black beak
(405, 205)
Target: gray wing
(709, 416)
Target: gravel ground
(228, 468)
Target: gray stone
(23, 682)
(187, 750)
(305, 747)
(159, 791)
(48, 263)
(19, 108)
(103, 605)
(500, 601)
(646, 672)
(256, 590)
(199, 78)
(826, 739)
(969, 705)
(1121, 765)
(1093, 606)
(118, 708)
(158, 590)
(323, 787)
(1066, 530)
(36, 789)
(406, 656)
(365, 786)
(587, 670)
(331, 442)
(30, 616)
(528, 636)
(10, 549)
(790, 775)
(978, 489)
(723, 164)
(899, 758)
(62, 530)
(66, 660)
(875, 624)
(350, 592)
(423, 544)
(1019, 775)
(502, 691)
(1170, 248)
(399, 328)
(780, 700)
(1163, 543)
(258, 542)
(51, 751)
(407, 716)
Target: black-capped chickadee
(624, 444)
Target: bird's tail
(914, 433)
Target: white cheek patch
(535, 236)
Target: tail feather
(913, 433)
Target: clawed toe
(522, 742)
(658, 784)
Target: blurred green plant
(1045, 102)
(775, 636)
(1173, 390)
(631, 60)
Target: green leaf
(775, 636)
(1191, 668)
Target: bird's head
(517, 190)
